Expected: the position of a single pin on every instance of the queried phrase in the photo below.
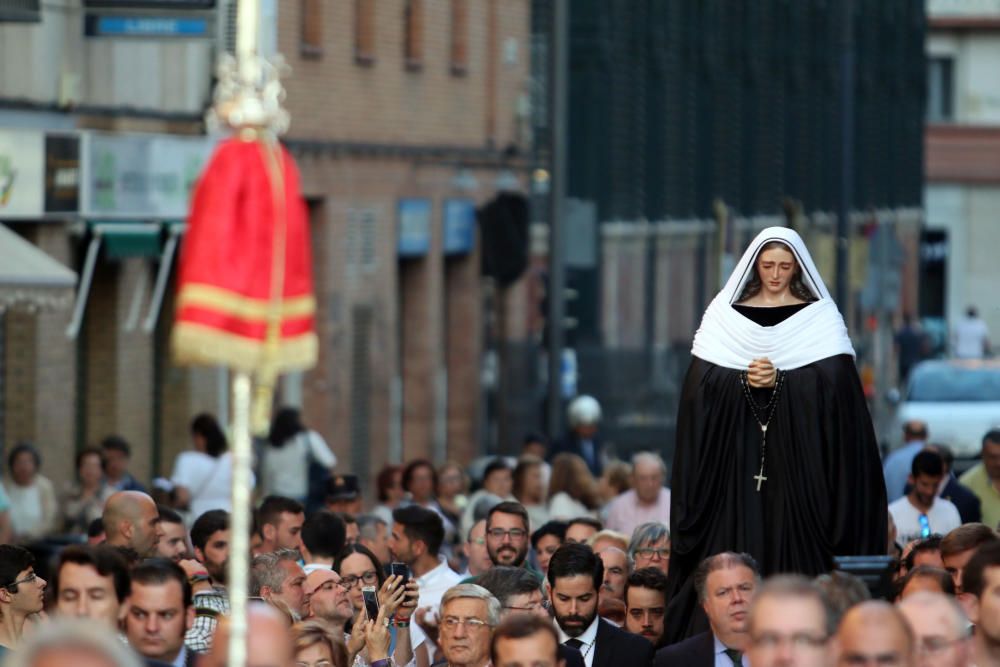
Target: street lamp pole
(558, 123)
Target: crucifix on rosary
(772, 403)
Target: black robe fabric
(824, 493)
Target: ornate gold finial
(249, 95)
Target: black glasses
(500, 533)
(648, 553)
(27, 580)
(350, 581)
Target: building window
(414, 34)
(459, 37)
(311, 35)
(364, 31)
(940, 89)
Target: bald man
(131, 520)
(875, 633)
(269, 642)
(940, 626)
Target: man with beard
(468, 615)
(174, 542)
(522, 595)
(507, 534)
(646, 603)
(327, 601)
(981, 584)
(277, 578)
(210, 539)
(131, 520)
(921, 513)
(725, 584)
(575, 577)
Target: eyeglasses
(27, 580)
(451, 623)
(648, 553)
(932, 645)
(350, 581)
(925, 526)
(514, 533)
(542, 604)
(798, 641)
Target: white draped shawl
(727, 338)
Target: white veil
(727, 338)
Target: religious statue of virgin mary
(775, 453)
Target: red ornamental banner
(245, 293)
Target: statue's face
(776, 268)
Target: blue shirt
(896, 469)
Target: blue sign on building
(459, 226)
(146, 26)
(414, 228)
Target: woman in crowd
(420, 481)
(572, 489)
(34, 509)
(83, 502)
(389, 489)
(315, 646)
(292, 457)
(545, 541)
(203, 476)
(358, 567)
(529, 489)
(452, 487)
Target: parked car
(958, 399)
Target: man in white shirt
(971, 337)
(921, 513)
(646, 501)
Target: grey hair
(796, 586)
(264, 570)
(722, 561)
(368, 526)
(649, 457)
(76, 636)
(646, 534)
(923, 600)
(476, 592)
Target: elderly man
(327, 600)
(476, 551)
(131, 520)
(611, 602)
(874, 633)
(468, 615)
(941, 628)
(790, 624)
(725, 584)
(650, 547)
(277, 578)
(646, 501)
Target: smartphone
(399, 570)
(371, 602)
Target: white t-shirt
(942, 518)
(208, 479)
(970, 338)
(284, 471)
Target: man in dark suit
(575, 577)
(159, 613)
(725, 584)
(584, 416)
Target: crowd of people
(557, 559)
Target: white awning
(29, 277)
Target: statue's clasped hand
(761, 373)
